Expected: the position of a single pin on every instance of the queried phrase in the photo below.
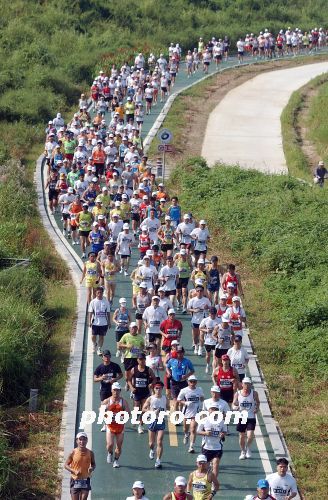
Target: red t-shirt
(171, 328)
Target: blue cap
(262, 483)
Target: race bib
(80, 483)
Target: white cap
(225, 318)
(167, 217)
(156, 297)
(199, 282)
(126, 226)
(161, 289)
(133, 324)
(201, 261)
(117, 203)
(81, 434)
(138, 484)
(116, 385)
(70, 190)
(145, 197)
(201, 458)
(183, 251)
(235, 298)
(180, 481)
(124, 196)
(230, 285)
(246, 380)
(202, 222)
(171, 311)
(175, 342)
(215, 388)
(94, 179)
(122, 300)
(192, 377)
(143, 285)
(186, 216)
(223, 296)
(95, 224)
(105, 188)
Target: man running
(80, 463)
(140, 380)
(156, 403)
(282, 485)
(202, 482)
(179, 490)
(246, 399)
(178, 369)
(115, 430)
(213, 436)
(190, 398)
(99, 319)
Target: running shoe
(94, 348)
(186, 438)
(207, 368)
(151, 454)
(103, 429)
(195, 350)
(99, 352)
(158, 464)
(191, 449)
(126, 273)
(248, 453)
(117, 354)
(83, 256)
(242, 455)
(110, 458)
(116, 464)
(140, 429)
(200, 351)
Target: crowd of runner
(112, 205)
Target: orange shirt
(80, 460)
(99, 156)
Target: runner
(226, 378)
(115, 431)
(99, 319)
(133, 344)
(154, 360)
(224, 340)
(232, 277)
(202, 482)
(246, 399)
(140, 380)
(213, 283)
(201, 236)
(238, 357)
(179, 490)
(138, 490)
(152, 318)
(91, 272)
(208, 329)
(168, 276)
(282, 485)
(222, 405)
(184, 266)
(213, 436)
(124, 243)
(122, 319)
(198, 308)
(263, 491)
(178, 369)
(156, 403)
(190, 398)
(80, 463)
(171, 329)
(109, 269)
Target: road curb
(68, 425)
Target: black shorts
(153, 336)
(135, 217)
(130, 363)
(227, 395)
(99, 330)
(219, 352)
(177, 386)
(207, 63)
(198, 252)
(141, 394)
(242, 376)
(66, 216)
(249, 426)
(210, 454)
(209, 347)
(241, 53)
(84, 233)
(149, 99)
(173, 74)
(170, 292)
(105, 392)
(79, 490)
(52, 194)
(164, 89)
(182, 283)
(195, 325)
(125, 256)
(119, 335)
(100, 168)
(138, 315)
(166, 348)
(166, 246)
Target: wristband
(213, 492)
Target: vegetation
(317, 122)
(297, 161)
(274, 225)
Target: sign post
(165, 136)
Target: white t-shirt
(201, 236)
(184, 230)
(193, 396)
(240, 46)
(196, 303)
(133, 498)
(212, 442)
(124, 241)
(153, 226)
(100, 309)
(223, 406)
(209, 324)
(169, 276)
(280, 487)
(148, 275)
(115, 228)
(166, 304)
(238, 358)
(154, 317)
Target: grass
(317, 122)
(269, 226)
(297, 162)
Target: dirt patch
(301, 129)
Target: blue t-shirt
(175, 213)
(179, 368)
